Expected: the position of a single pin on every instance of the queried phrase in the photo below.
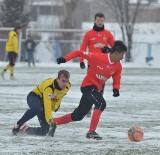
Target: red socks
(63, 119)
(67, 118)
(95, 120)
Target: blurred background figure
(30, 47)
(12, 50)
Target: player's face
(99, 21)
(119, 56)
(19, 30)
(62, 82)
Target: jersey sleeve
(47, 104)
(117, 77)
(86, 55)
(15, 44)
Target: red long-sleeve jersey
(95, 40)
(100, 70)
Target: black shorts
(12, 58)
(90, 96)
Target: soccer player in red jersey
(102, 67)
(97, 39)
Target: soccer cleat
(15, 129)
(93, 135)
(52, 130)
(12, 78)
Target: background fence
(51, 44)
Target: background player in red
(102, 67)
(97, 40)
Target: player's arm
(15, 44)
(86, 55)
(116, 81)
(47, 104)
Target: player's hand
(82, 65)
(61, 60)
(116, 92)
(105, 49)
(51, 122)
(52, 128)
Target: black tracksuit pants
(90, 96)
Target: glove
(116, 92)
(105, 49)
(61, 60)
(52, 128)
(82, 65)
(51, 122)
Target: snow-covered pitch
(138, 104)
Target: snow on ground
(139, 104)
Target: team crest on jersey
(104, 38)
(52, 96)
(112, 72)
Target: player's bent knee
(102, 106)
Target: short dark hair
(101, 15)
(65, 73)
(118, 46)
(17, 27)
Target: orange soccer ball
(135, 134)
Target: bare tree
(13, 13)
(125, 14)
(69, 8)
(68, 23)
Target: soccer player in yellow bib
(42, 101)
(12, 50)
